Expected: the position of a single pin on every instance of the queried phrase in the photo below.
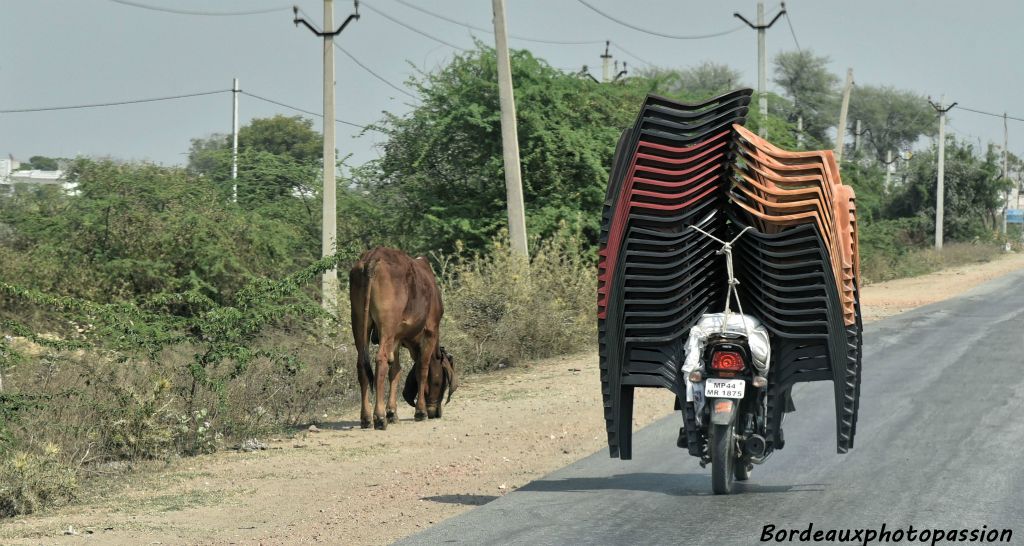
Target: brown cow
(396, 303)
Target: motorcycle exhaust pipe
(754, 446)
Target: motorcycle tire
(723, 458)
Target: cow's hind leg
(383, 354)
(394, 369)
(362, 366)
(426, 354)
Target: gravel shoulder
(341, 484)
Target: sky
(74, 52)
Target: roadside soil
(344, 485)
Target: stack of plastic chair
(672, 170)
(799, 268)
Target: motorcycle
(683, 167)
(726, 373)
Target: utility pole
(841, 128)
(762, 78)
(941, 185)
(605, 63)
(329, 231)
(234, 142)
(888, 169)
(800, 132)
(509, 134)
(1006, 171)
(856, 137)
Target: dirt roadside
(344, 485)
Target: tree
(278, 157)
(973, 189)
(42, 163)
(868, 181)
(441, 180)
(1016, 170)
(808, 83)
(292, 136)
(206, 155)
(893, 119)
(279, 178)
(700, 82)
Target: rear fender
(723, 410)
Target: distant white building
(7, 166)
(10, 175)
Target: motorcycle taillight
(727, 361)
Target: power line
(362, 65)
(490, 31)
(303, 110)
(626, 51)
(444, 18)
(516, 36)
(173, 97)
(989, 113)
(103, 104)
(412, 28)
(793, 32)
(296, 108)
(966, 135)
(661, 34)
(374, 74)
(198, 12)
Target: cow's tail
(365, 334)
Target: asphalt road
(939, 445)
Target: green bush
(140, 383)
(138, 230)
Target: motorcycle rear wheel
(723, 458)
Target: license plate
(724, 388)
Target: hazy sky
(68, 52)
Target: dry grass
(882, 267)
(501, 310)
(30, 481)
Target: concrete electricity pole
(329, 231)
(800, 133)
(941, 185)
(234, 142)
(762, 78)
(1006, 170)
(888, 169)
(841, 128)
(509, 135)
(856, 137)
(606, 63)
